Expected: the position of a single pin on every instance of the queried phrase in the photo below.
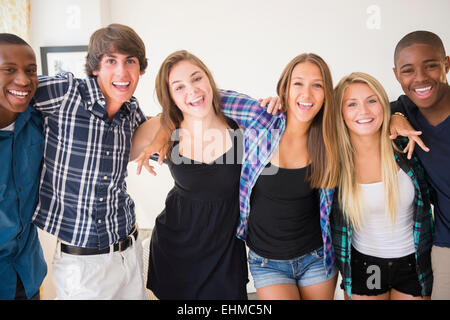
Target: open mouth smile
(19, 94)
(423, 92)
(196, 102)
(121, 85)
(364, 121)
(305, 105)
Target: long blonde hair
(350, 197)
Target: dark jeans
(20, 292)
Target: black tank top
(284, 220)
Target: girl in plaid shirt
(381, 220)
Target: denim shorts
(303, 271)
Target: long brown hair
(320, 142)
(172, 116)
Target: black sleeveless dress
(194, 253)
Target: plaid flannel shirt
(341, 230)
(262, 134)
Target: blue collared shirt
(20, 250)
(83, 197)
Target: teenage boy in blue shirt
(22, 264)
(421, 67)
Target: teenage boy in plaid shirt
(88, 126)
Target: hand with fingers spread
(159, 146)
(273, 104)
(400, 126)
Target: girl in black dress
(194, 253)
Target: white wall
(245, 43)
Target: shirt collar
(92, 94)
(22, 119)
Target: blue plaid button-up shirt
(262, 134)
(83, 198)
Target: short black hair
(420, 36)
(9, 38)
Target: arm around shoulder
(240, 107)
(144, 135)
(51, 91)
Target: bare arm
(144, 135)
(150, 138)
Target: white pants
(110, 276)
(440, 263)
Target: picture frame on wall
(64, 59)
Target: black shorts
(373, 276)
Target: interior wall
(245, 44)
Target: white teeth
(197, 100)
(305, 104)
(423, 89)
(121, 83)
(364, 121)
(19, 93)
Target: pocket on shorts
(318, 253)
(408, 267)
(254, 259)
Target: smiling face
(18, 80)
(306, 93)
(117, 76)
(362, 110)
(421, 71)
(191, 90)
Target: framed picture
(64, 59)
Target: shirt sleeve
(240, 107)
(139, 118)
(51, 92)
(397, 106)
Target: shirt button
(20, 189)
(101, 199)
(105, 177)
(99, 221)
(107, 153)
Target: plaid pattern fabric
(262, 134)
(83, 198)
(423, 226)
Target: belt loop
(133, 240)
(111, 251)
(58, 248)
